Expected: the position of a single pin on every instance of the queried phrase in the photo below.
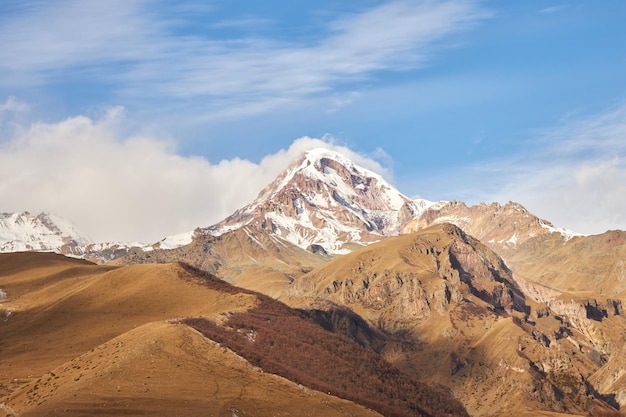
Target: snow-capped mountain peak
(43, 232)
(326, 199)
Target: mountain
(47, 232)
(325, 202)
(322, 205)
(454, 314)
(512, 314)
(501, 227)
(44, 232)
(578, 278)
(168, 339)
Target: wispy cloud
(553, 9)
(144, 55)
(573, 175)
(245, 22)
(116, 187)
(13, 105)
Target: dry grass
(93, 340)
(169, 370)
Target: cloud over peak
(135, 188)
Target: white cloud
(553, 9)
(116, 188)
(575, 176)
(145, 54)
(13, 105)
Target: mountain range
(504, 310)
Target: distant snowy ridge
(174, 241)
(44, 232)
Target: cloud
(573, 175)
(145, 55)
(118, 188)
(13, 105)
(553, 9)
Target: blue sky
(471, 100)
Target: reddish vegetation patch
(282, 341)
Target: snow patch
(176, 241)
(565, 233)
(456, 220)
(512, 240)
(3, 294)
(254, 239)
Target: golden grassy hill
(62, 310)
(168, 370)
(83, 339)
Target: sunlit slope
(83, 339)
(61, 311)
(167, 370)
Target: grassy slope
(86, 339)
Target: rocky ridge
(501, 227)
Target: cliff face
(454, 313)
(404, 281)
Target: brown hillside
(60, 314)
(168, 370)
(464, 323)
(583, 280)
(281, 341)
(247, 257)
(593, 264)
(83, 339)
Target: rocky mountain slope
(583, 280)
(133, 340)
(455, 315)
